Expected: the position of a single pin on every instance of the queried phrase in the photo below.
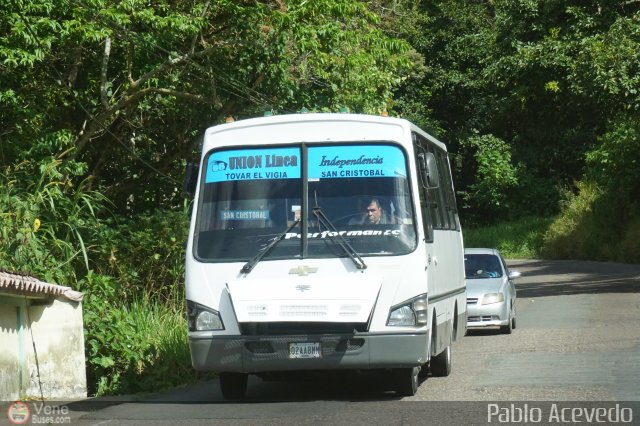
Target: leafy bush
(134, 314)
(614, 163)
(602, 220)
(570, 236)
(146, 253)
(47, 222)
(534, 196)
(486, 198)
(595, 224)
(133, 346)
(130, 270)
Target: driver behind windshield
(374, 215)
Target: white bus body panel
(308, 299)
(386, 282)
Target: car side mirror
(428, 170)
(514, 274)
(190, 180)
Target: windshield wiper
(339, 239)
(248, 267)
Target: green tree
(546, 77)
(136, 84)
(495, 178)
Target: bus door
(428, 182)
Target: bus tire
(233, 385)
(406, 381)
(440, 365)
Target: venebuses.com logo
(18, 413)
(37, 412)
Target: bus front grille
(282, 328)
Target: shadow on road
(564, 277)
(481, 332)
(328, 386)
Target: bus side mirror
(190, 179)
(428, 170)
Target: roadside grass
(518, 239)
(149, 349)
(595, 224)
(163, 325)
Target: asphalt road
(577, 339)
(577, 344)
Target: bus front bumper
(254, 354)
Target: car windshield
(482, 266)
(250, 196)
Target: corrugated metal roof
(28, 285)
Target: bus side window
(446, 194)
(424, 200)
(442, 196)
(451, 197)
(434, 197)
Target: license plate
(305, 350)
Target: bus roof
(316, 118)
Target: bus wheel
(233, 385)
(440, 365)
(406, 381)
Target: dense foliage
(549, 78)
(102, 102)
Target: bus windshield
(252, 195)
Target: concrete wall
(56, 368)
(11, 350)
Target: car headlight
(410, 313)
(201, 318)
(490, 298)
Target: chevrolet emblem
(303, 270)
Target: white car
(491, 293)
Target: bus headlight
(201, 318)
(410, 313)
(491, 298)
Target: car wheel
(507, 329)
(513, 320)
(233, 385)
(406, 381)
(440, 364)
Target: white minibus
(324, 242)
